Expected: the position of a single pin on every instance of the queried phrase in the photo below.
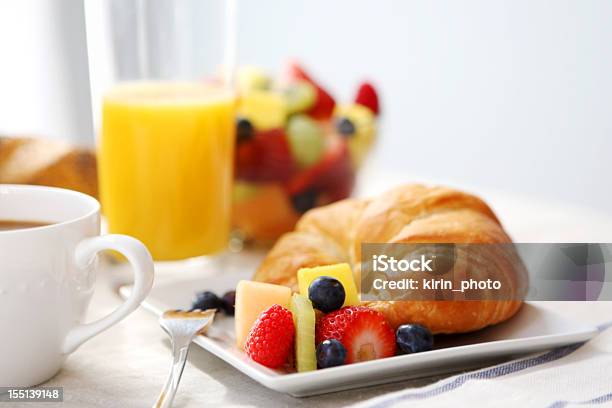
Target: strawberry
(333, 175)
(270, 341)
(295, 71)
(266, 157)
(324, 105)
(367, 96)
(338, 182)
(364, 332)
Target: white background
(44, 88)
(513, 95)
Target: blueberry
(330, 353)
(228, 301)
(244, 130)
(413, 338)
(206, 300)
(304, 201)
(326, 294)
(345, 127)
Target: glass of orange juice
(166, 123)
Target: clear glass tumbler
(163, 100)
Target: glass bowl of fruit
(296, 148)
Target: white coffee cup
(47, 277)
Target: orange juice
(165, 166)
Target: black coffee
(8, 225)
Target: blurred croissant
(49, 163)
(407, 214)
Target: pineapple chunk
(265, 109)
(365, 130)
(250, 77)
(304, 320)
(252, 298)
(342, 272)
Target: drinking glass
(162, 93)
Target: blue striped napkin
(572, 376)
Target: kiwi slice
(304, 319)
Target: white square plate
(533, 329)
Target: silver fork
(182, 327)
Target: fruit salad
(297, 148)
(320, 327)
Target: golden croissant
(407, 214)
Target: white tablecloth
(571, 376)
(126, 365)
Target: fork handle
(179, 357)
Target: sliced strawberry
(295, 71)
(364, 333)
(324, 105)
(333, 176)
(367, 96)
(266, 157)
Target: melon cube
(342, 272)
(252, 298)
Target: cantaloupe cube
(252, 298)
(342, 272)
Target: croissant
(54, 163)
(407, 214)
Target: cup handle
(142, 264)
